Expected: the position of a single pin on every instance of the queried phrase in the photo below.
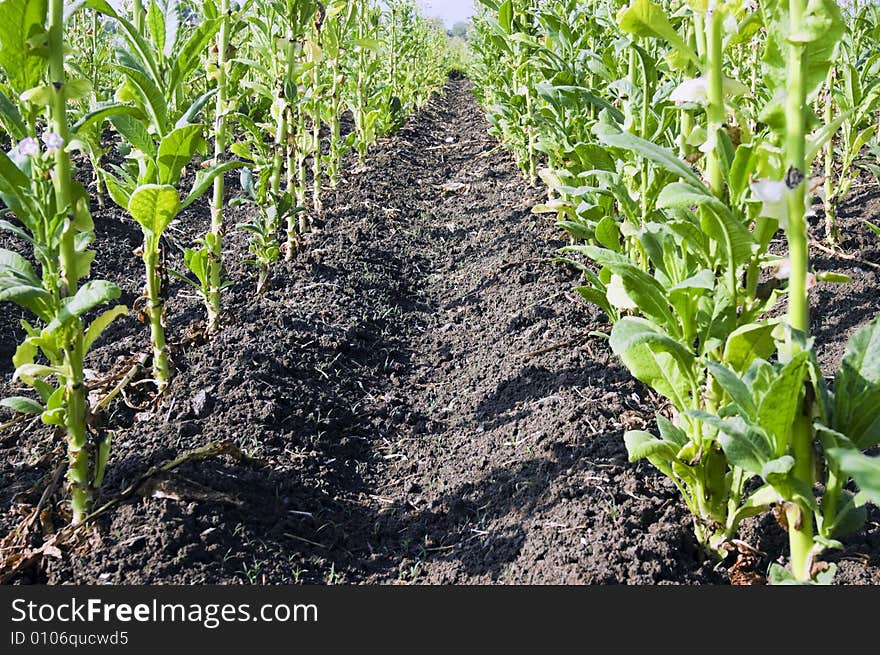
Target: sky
(449, 10)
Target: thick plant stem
(79, 472)
(140, 16)
(334, 161)
(282, 126)
(800, 519)
(215, 244)
(829, 205)
(716, 115)
(715, 111)
(317, 159)
(156, 314)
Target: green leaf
(118, 193)
(863, 469)
(821, 28)
(505, 16)
(644, 18)
(20, 22)
(671, 432)
(857, 388)
(644, 290)
(748, 343)
(778, 407)
(680, 195)
(22, 405)
(188, 56)
(205, 179)
(151, 95)
(88, 296)
(10, 118)
(101, 323)
(101, 114)
(156, 23)
(614, 137)
(191, 114)
(154, 206)
(135, 132)
(643, 445)
(177, 150)
(735, 388)
(608, 233)
(655, 359)
(743, 444)
(13, 265)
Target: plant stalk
(156, 314)
(800, 519)
(215, 244)
(79, 470)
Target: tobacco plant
(677, 156)
(53, 217)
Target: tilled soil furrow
(422, 395)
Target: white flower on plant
(53, 141)
(730, 24)
(29, 147)
(693, 90)
(783, 272)
(710, 143)
(774, 196)
(697, 90)
(617, 295)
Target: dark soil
(419, 395)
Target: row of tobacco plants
(181, 93)
(677, 138)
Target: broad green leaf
(670, 432)
(10, 118)
(730, 233)
(614, 137)
(156, 23)
(748, 343)
(135, 132)
(192, 113)
(99, 115)
(88, 296)
(857, 388)
(186, 61)
(645, 291)
(101, 323)
(20, 22)
(608, 233)
(205, 179)
(505, 16)
(735, 388)
(22, 405)
(821, 28)
(13, 265)
(779, 406)
(744, 446)
(644, 18)
(150, 94)
(643, 445)
(863, 469)
(177, 150)
(118, 193)
(680, 195)
(154, 206)
(655, 359)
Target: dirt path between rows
(420, 394)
